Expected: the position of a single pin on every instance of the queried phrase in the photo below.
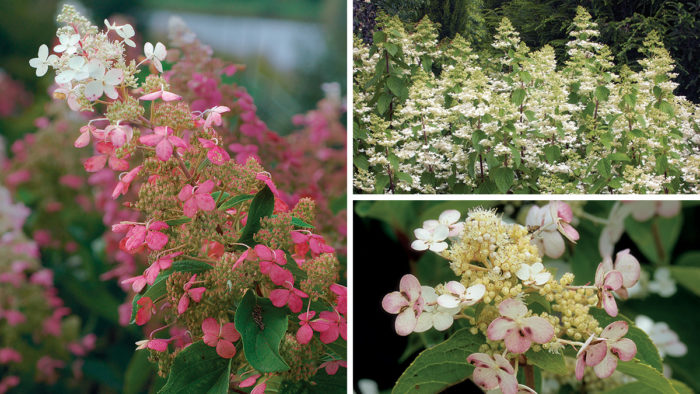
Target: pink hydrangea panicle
(125, 180)
(305, 332)
(602, 354)
(214, 115)
(164, 141)
(493, 372)
(517, 330)
(198, 197)
(216, 154)
(220, 336)
(406, 303)
(288, 296)
(194, 293)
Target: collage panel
(525, 97)
(173, 196)
(525, 296)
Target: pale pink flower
(195, 294)
(47, 366)
(305, 332)
(198, 197)
(214, 115)
(220, 336)
(407, 303)
(118, 135)
(216, 154)
(517, 330)
(459, 295)
(645, 210)
(449, 218)
(164, 140)
(434, 314)
(288, 296)
(43, 277)
(125, 180)
(617, 277)
(161, 94)
(602, 354)
(553, 221)
(493, 372)
(8, 382)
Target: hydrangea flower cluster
(502, 280)
(39, 337)
(230, 262)
(441, 117)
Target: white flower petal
(448, 301)
(93, 90)
(419, 245)
(160, 51)
(442, 321)
(524, 272)
(449, 217)
(438, 247)
(43, 52)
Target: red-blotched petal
(615, 330)
(596, 353)
(625, 349)
(516, 342)
(512, 308)
(606, 367)
(405, 322)
(486, 378)
(540, 330)
(410, 285)
(580, 367)
(499, 327)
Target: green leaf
(440, 366)
(361, 161)
(262, 206)
(402, 176)
(689, 277)
(602, 93)
(193, 266)
(261, 342)
(518, 96)
(138, 373)
(666, 107)
(198, 369)
(637, 133)
(203, 164)
(691, 259)
(177, 222)
(548, 361)
(525, 77)
(656, 238)
(395, 85)
(646, 350)
(530, 115)
(634, 387)
(217, 193)
(383, 103)
(300, 223)
(657, 92)
(646, 375)
(503, 178)
(231, 202)
(378, 36)
(157, 289)
(617, 156)
(392, 48)
(393, 161)
(552, 153)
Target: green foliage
(198, 369)
(262, 206)
(262, 327)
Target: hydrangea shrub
(238, 280)
(439, 117)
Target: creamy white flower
(665, 339)
(124, 31)
(43, 60)
(155, 55)
(535, 273)
(663, 284)
(459, 295)
(433, 239)
(68, 45)
(434, 314)
(77, 71)
(104, 81)
(449, 218)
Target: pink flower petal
(482, 360)
(304, 334)
(516, 342)
(596, 353)
(185, 193)
(183, 304)
(625, 349)
(150, 139)
(615, 330)
(156, 240)
(225, 349)
(486, 378)
(95, 163)
(498, 328)
(279, 297)
(606, 367)
(613, 280)
(205, 202)
(393, 302)
(512, 308)
(628, 266)
(82, 141)
(190, 208)
(196, 293)
(411, 286)
(405, 322)
(508, 383)
(580, 367)
(151, 96)
(164, 150)
(539, 329)
(609, 304)
(168, 96)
